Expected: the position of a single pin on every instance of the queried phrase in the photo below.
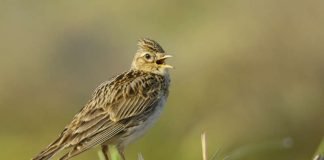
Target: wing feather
(110, 130)
(146, 93)
(112, 102)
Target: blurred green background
(249, 73)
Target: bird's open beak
(161, 61)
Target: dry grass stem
(204, 145)
(140, 156)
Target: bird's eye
(148, 56)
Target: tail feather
(47, 154)
(51, 150)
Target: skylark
(121, 109)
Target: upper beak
(162, 59)
(166, 56)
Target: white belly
(140, 130)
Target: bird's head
(150, 57)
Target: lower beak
(166, 65)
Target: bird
(121, 109)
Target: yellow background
(249, 73)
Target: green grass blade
(319, 154)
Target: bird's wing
(89, 127)
(135, 97)
(99, 138)
(111, 103)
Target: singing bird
(121, 109)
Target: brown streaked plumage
(120, 109)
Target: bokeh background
(248, 73)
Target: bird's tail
(51, 149)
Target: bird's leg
(105, 151)
(121, 152)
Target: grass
(319, 154)
(115, 156)
(204, 146)
(285, 143)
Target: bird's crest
(149, 45)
